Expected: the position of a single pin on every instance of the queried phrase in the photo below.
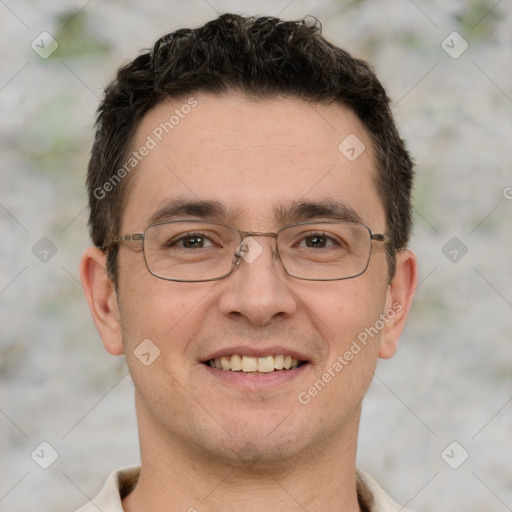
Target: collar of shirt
(372, 498)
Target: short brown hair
(259, 56)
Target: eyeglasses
(195, 251)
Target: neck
(177, 477)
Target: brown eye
(193, 242)
(190, 241)
(316, 241)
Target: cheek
(346, 305)
(165, 312)
(344, 316)
(158, 324)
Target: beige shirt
(120, 483)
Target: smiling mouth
(249, 364)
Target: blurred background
(436, 429)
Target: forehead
(252, 157)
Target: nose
(258, 289)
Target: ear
(398, 301)
(102, 299)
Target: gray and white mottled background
(452, 379)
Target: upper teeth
(265, 364)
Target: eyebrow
(303, 211)
(284, 213)
(181, 207)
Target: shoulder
(373, 497)
(118, 485)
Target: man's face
(252, 158)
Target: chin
(260, 445)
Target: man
(250, 211)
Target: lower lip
(253, 381)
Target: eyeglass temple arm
(124, 238)
(380, 237)
(129, 238)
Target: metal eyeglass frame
(377, 237)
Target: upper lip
(256, 352)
